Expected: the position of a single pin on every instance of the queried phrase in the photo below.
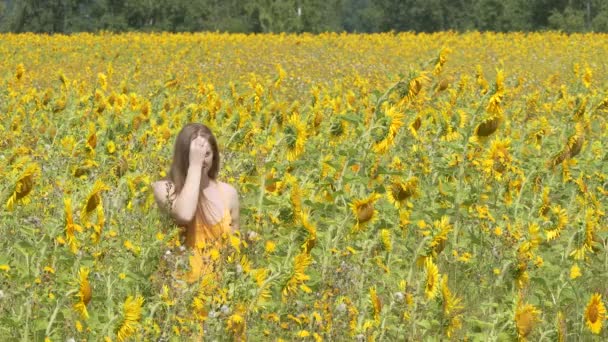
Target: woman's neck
(205, 181)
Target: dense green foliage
(67, 16)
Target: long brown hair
(181, 154)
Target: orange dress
(203, 238)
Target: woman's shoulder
(162, 184)
(162, 188)
(229, 189)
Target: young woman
(204, 206)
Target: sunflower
(487, 127)
(400, 192)
(561, 221)
(19, 71)
(451, 303)
(385, 134)
(440, 61)
(364, 211)
(84, 293)
(452, 308)
(442, 228)
(295, 137)
(376, 304)
(414, 87)
(296, 195)
(395, 118)
(298, 277)
(70, 226)
(414, 126)
(23, 186)
(481, 80)
(93, 200)
(571, 149)
(575, 272)
(237, 324)
(595, 313)
(385, 238)
(132, 315)
(431, 287)
(526, 316)
(575, 142)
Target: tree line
(258, 16)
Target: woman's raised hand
(198, 150)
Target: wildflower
(132, 248)
(595, 314)
(111, 147)
(575, 272)
(236, 323)
(303, 333)
(131, 316)
(270, 247)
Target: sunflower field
(405, 186)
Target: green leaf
(353, 118)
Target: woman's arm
(183, 205)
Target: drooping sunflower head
(487, 127)
(24, 185)
(401, 192)
(431, 287)
(94, 198)
(132, 308)
(364, 210)
(499, 156)
(84, 294)
(526, 317)
(295, 137)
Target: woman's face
(208, 156)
